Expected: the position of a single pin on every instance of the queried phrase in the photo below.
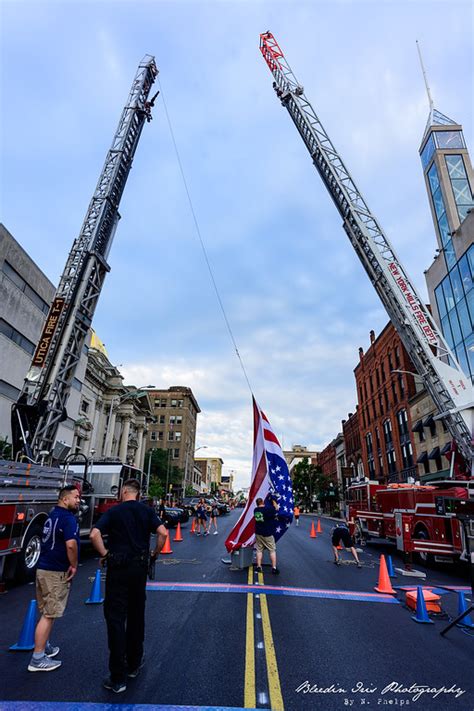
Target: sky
(298, 301)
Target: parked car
(191, 502)
(172, 515)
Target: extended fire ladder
(42, 403)
(448, 386)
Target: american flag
(270, 479)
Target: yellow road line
(276, 699)
(250, 699)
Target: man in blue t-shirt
(57, 565)
(128, 527)
(265, 516)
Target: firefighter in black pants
(128, 526)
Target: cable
(198, 232)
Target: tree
(310, 484)
(162, 472)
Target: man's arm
(97, 542)
(72, 553)
(160, 540)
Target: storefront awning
(428, 421)
(446, 448)
(434, 454)
(418, 427)
(422, 458)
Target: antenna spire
(430, 98)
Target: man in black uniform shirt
(128, 526)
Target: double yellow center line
(250, 696)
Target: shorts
(262, 542)
(52, 592)
(202, 517)
(345, 537)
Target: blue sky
(296, 296)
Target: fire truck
(415, 517)
(409, 514)
(27, 494)
(28, 489)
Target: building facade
(211, 473)
(297, 454)
(352, 444)
(432, 440)
(175, 411)
(384, 388)
(449, 180)
(25, 297)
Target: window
(160, 436)
(427, 152)
(162, 420)
(401, 385)
(402, 422)
(16, 337)
(176, 453)
(387, 430)
(153, 436)
(84, 407)
(179, 419)
(465, 273)
(368, 441)
(397, 356)
(449, 139)
(170, 436)
(386, 399)
(377, 438)
(173, 403)
(392, 462)
(164, 402)
(459, 183)
(8, 390)
(407, 455)
(180, 403)
(177, 436)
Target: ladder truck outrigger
(27, 488)
(418, 518)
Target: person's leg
(136, 618)
(354, 553)
(259, 553)
(42, 633)
(115, 613)
(336, 553)
(273, 558)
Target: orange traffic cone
(178, 537)
(166, 548)
(339, 547)
(384, 586)
(193, 525)
(318, 530)
(313, 532)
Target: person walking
(340, 532)
(213, 518)
(128, 526)
(265, 516)
(202, 518)
(296, 512)
(57, 565)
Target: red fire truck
(413, 516)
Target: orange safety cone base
(193, 525)
(178, 537)
(166, 548)
(384, 585)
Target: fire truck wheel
(30, 553)
(425, 558)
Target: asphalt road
(215, 638)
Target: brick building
(353, 448)
(383, 392)
(327, 461)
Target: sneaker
(258, 569)
(116, 686)
(215, 533)
(133, 673)
(275, 571)
(198, 534)
(359, 565)
(337, 561)
(44, 664)
(51, 651)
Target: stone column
(124, 440)
(109, 429)
(138, 454)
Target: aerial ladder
(448, 386)
(41, 405)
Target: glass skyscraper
(450, 279)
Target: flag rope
(201, 241)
